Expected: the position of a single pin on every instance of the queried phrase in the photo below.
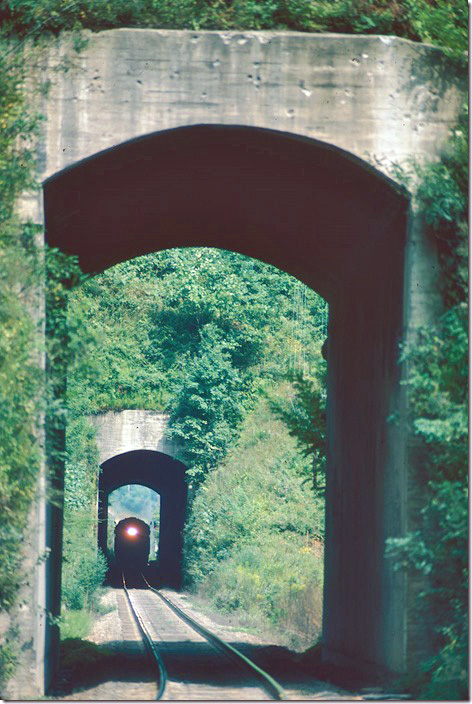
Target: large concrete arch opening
(339, 226)
(164, 475)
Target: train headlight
(132, 531)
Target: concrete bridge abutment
(265, 143)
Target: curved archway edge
(267, 194)
(164, 475)
(339, 226)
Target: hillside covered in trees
(225, 345)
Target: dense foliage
(20, 375)
(195, 332)
(437, 363)
(128, 375)
(83, 567)
(255, 535)
(83, 571)
(304, 414)
(19, 380)
(70, 440)
(443, 22)
(212, 330)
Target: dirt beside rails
(111, 665)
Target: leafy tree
(195, 331)
(443, 22)
(443, 198)
(84, 566)
(253, 542)
(107, 326)
(438, 391)
(208, 406)
(439, 548)
(304, 415)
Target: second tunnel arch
(340, 227)
(164, 475)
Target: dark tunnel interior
(338, 225)
(255, 191)
(164, 475)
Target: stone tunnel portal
(165, 476)
(338, 225)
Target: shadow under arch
(339, 226)
(165, 476)
(260, 192)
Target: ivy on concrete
(437, 363)
(25, 395)
(18, 342)
(20, 373)
(438, 418)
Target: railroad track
(193, 663)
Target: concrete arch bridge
(277, 146)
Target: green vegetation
(443, 22)
(83, 569)
(19, 351)
(438, 393)
(188, 339)
(70, 437)
(214, 332)
(20, 374)
(213, 328)
(255, 535)
(76, 623)
(304, 414)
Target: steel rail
(273, 687)
(149, 643)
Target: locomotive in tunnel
(132, 544)
(166, 477)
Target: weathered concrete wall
(381, 98)
(123, 431)
(377, 97)
(122, 438)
